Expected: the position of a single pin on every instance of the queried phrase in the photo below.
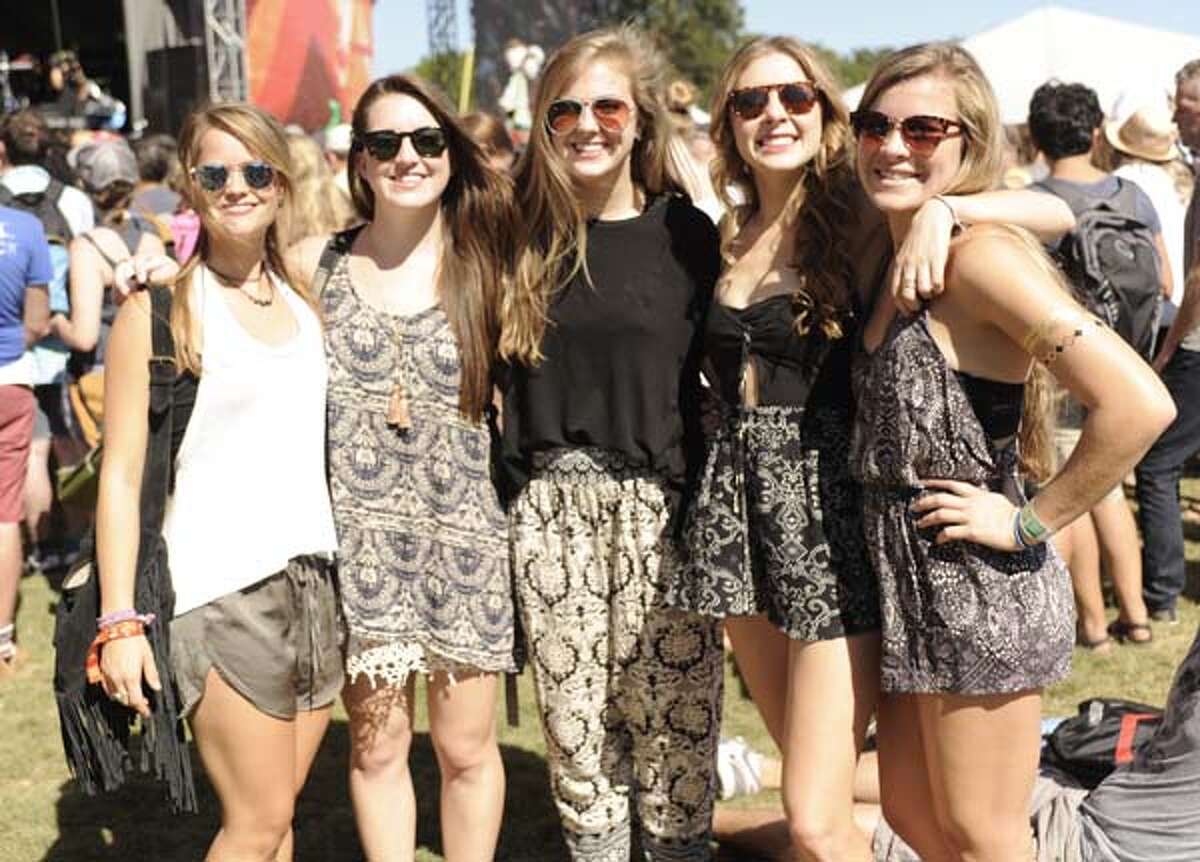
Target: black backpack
(44, 205)
(1104, 735)
(1111, 261)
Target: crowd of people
(826, 388)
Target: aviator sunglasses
(611, 114)
(798, 97)
(429, 142)
(921, 133)
(212, 177)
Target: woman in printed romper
(411, 305)
(977, 608)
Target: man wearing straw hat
(1178, 361)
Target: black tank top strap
(997, 405)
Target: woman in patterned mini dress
(977, 610)
(410, 304)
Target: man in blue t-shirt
(25, 273)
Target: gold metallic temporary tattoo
(1048, 340)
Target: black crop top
(998, 405)
(790, 368)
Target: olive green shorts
(278, 643)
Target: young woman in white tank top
(256, 634)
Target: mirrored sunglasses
(611, 114)
(213, 176)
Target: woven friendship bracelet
(126, 629)
(1030, 528)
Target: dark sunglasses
(212, 177)
(611, 114)
(429, 142)
(798, 97)
(921, 133)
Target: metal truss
(225, 48)
(443, 26)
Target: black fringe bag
(101, 749)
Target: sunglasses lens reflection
(258, 175)
(429, 142)
(749, 104)
(382, 146)
(212, 178)
(798, 98)
(563, 116)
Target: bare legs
(817, 712)
(971, 762)
(257, 764)
(463, 727)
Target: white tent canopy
(1108, 55)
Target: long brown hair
(261, 134)
(479, 221)
(555, 219)
(980, 170)
(820, 204)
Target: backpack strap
(339, 246)
(92, 242)
(1126, 199)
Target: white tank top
(250, 491)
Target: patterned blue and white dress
(423, 544)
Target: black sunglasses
(921, 133)
(213, 176)
(429, 142)
(798, 97)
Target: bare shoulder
(303, 257)
(997, 262)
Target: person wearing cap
(109, 170)
(1178, 360)
(1142, 136)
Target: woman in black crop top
(774, 537)
(601, 336)
(977, 609)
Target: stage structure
(443, 26)
(300, 59)
(547, 23)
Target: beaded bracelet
(120, 617)
(126, 629)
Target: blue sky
(400, 35)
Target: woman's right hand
(123, 664)
(140, 271)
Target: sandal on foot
(1124, 632)
(1100, 645)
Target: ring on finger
(119, 696)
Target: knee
(258, 833)
(982, 839)
(466, 752)
(379, 752)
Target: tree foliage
(697, 36)
(444, 71)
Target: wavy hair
(554, 215)
(318, 207)
(261, 134)
(819, 207)
(479, 242)
(980, 170)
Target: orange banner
(303, 53)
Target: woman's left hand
(967, 513)
(919, 270)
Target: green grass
(47, 820)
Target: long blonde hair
(261, 134)
(556, 222)
(820, 203)
(981, 169)
(318, 207)
(480, 224)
